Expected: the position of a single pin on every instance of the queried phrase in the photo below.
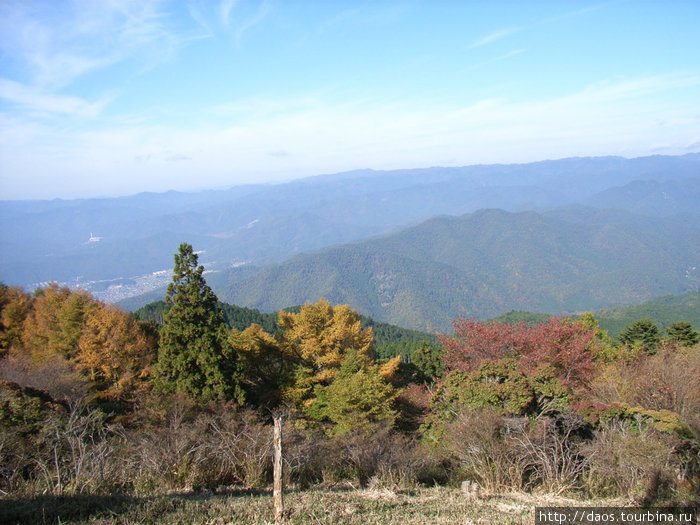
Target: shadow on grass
(50, 510)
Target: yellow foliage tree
(389, 369)
(318, 338)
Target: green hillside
(520, 316)
(487, 263)
(662, 310)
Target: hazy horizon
(195, 190)
(118, 98)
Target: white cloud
(263, 10)
(320, 137)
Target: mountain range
(416, 238)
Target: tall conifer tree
(194, 356)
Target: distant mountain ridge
(489, 262)
(263, 224)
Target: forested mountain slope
(487, 263)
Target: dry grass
(438, 505)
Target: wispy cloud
(200, 19)
(228, 17)
(225, 11)
(263, 10)
(636, 87)
(575, 13)
(58, 43)
(492, 37)
(36, 101)
(338, 20)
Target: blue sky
(113, 97)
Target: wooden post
(277, 484)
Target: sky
(116, 97)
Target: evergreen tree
(194, 356)
(427, 360)
(682, 332)
(642, 334)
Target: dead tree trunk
(277, 484)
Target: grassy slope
(438, 505)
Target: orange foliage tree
(114, 349)
(55, 323)
(64, 332)
(15, 305)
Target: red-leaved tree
(562, 343)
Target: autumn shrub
(502, 386)
(164, 458)
(473, 442)
(383, 454)
(668, 380)
(413, 406)
(23, 415)
(623, 459)
(241, 444)
(50, 447)
(567, 346)
(78, 454)
(549, 452)
(404, 462)
(178, 445)
(56, 375)
(502, 452)
(307, 455)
